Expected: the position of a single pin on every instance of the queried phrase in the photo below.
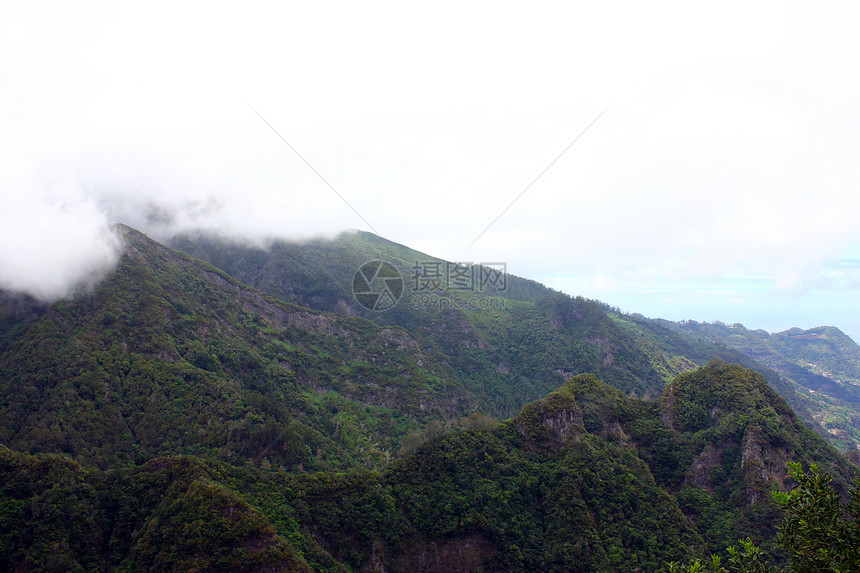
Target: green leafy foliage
(817, 531)
(748, 559)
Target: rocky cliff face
(736, 430)
(460, 554)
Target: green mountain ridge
(494, 360)
(822, 364)
(171, 356)
(178, 418)
(535, 341)
(586, 479)
(541, 336)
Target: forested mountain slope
(586, 479)
(521, 345)
(172, 356)
(176, 418)
(522, 348)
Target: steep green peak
(698, 399)
(582, 387)
(583, 404)
(148, 252)
(386, 246)
(549, 423)
(137, 239)
(132, 236)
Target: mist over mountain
(53, 246)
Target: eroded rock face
(704, 465)
(605, 347)
(565, 423)
(667, 408)
(398, 338)
(613, 430)
(550, 423)
(763, 464)
(456, 555)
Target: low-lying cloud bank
(53, 243)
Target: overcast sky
(720, 184)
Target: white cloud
(55, 240)
(728, 150)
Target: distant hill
(511, 353)
(823, 364)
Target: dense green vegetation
(169, 514)
(818, 531)
(504, 356)
(586, 479)
(743, 435)
(510, 355)
(820, 367)
(177, 419)
(170, 356)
